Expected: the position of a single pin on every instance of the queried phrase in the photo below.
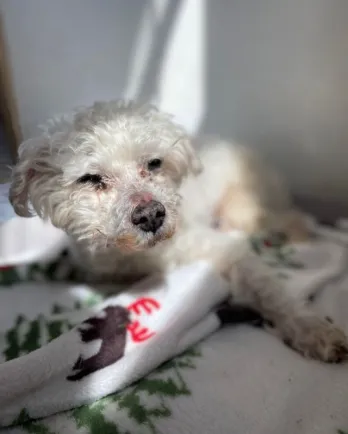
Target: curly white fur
(115, 141)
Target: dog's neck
(112, 264)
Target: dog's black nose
(149, 216)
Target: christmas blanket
(75, 362)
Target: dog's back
(237, 190)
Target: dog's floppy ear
(185, 158)
(32, 165)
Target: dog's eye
(154, 164)
(93, 179)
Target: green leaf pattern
(276, 253)
(140, 405)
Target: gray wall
(67, 52)
(272, 73)
(278, 78)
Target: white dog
(118, 178)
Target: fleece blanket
(74, 362)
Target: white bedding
(240, 380)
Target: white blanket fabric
(241, 380)
(125, 338)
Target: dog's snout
(149, 216)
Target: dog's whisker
(176, 141)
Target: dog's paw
(317, 338)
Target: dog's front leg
(292, 320)
(253, 284)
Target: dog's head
(109, 177)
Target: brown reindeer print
(112, 330)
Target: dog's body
(129, 188)
(234, 190)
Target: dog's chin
(160, 237)
(134, 242)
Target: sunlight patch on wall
(144, 42)
(168, 63)
(181, 87)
